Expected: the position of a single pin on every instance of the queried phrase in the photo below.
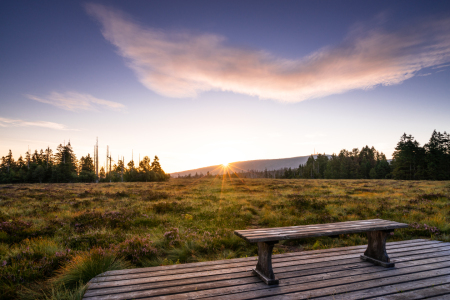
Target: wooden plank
(390, 245)
(223, 276)
(193, 279)
(209, 285)
(236, 267)
(292, 268)
(279, 259)
(403, 291)
(134, 292)
(310, 228)
(293, 234)
(318, 227)
(320, 232)
(285, 272)
(442, 297)
(299, 290)
(315, 225)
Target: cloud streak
(185, 64)
(76, 102)
(5, 122)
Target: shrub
(154, 195)
(15, 230)
(422, 229)
(95, 219)
(303, 203)
(166, 207)
(172, 237)
(92, 239)
(188, 252)
(136, 249)
(433, 196)
(32, 260)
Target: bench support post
(264, 267)
(376, 248)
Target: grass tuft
(83, 267)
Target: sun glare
(225, 165)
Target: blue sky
(200, 83)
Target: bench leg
(264, 267)
(376, 248)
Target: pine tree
(436, 157)
(66, 164)
(409, 159)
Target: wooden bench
(377, 232)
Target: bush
(92, 239)
(154, 195)
(32, 260)
(136, 249)
(95, 219)
(166, 207)
(303, 203)
(15, 230)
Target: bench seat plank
(296, 232)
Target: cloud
(75, 101)
(442, 66)
(5, 122)
(185, 64)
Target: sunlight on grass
(72, 232)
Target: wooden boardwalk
(422, 271)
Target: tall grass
(85, 266)
(55, 237)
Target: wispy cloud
(75, 101)
(5, 122)
(186, 64)
(441, 66)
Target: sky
(201, 83)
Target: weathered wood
(296, 232)
(334, 286)
(377, 232)
(300, 264)
(376, 248)
(316, 225)
(279, 262)
(182, 288)
(441, 297)
(402, 291)
(323, 273)
(264, 266)
(327, 268)
(229, 261)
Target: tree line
(63, 166)
(410, 162)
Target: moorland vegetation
(55, 237)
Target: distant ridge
(254, 165)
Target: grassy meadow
(55, 237)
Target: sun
(225, 165)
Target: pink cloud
(185, 64)
(74, 101)
(6, 122)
